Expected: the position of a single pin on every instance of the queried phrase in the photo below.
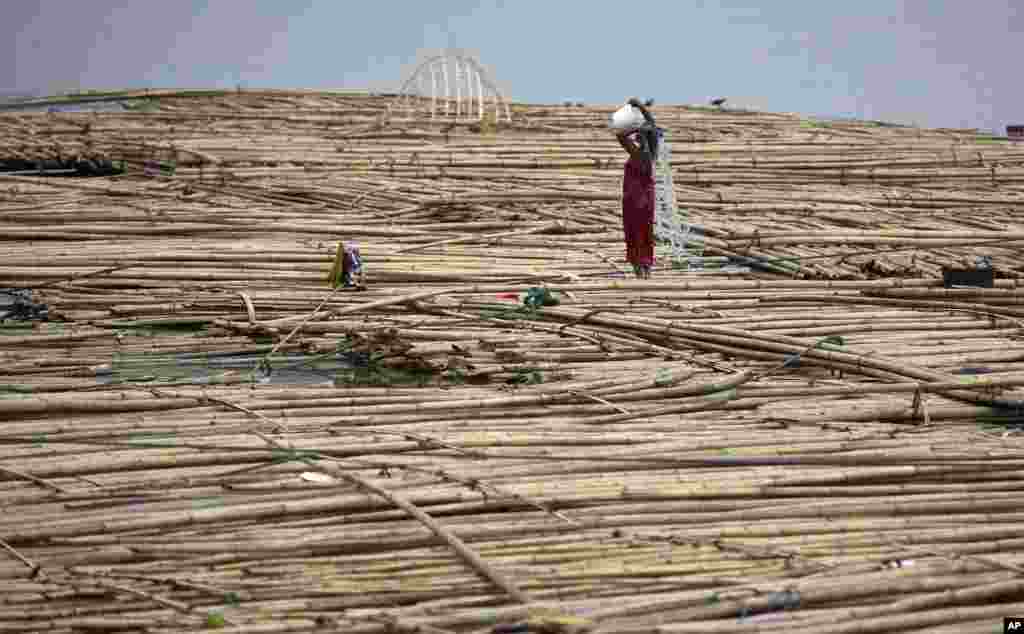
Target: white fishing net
(672, 224)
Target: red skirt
(638, 211)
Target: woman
(638, 192)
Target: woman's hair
(648, 133)
(647, 136)
(651, 135)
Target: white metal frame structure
(464, 90)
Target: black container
(968, 277)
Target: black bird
(718, 102)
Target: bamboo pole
(862, 416)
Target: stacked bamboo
(831, 441)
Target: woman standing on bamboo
(638, 192)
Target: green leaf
(834, 340)
(154, 439)
(207, 503)
(456, 376)
(215, 620)
(289, 455)
(663, 377)
(17, 388)
(723, 395)
(14, 394)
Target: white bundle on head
(626, 118)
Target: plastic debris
(347, 270)
(20, 306)
(317, 477)
(539, 296)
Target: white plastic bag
(626, 118)
(317, 477)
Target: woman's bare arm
(627, 144)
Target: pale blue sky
(930, 62)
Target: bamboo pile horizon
(502, 430)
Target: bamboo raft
(827, 442)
